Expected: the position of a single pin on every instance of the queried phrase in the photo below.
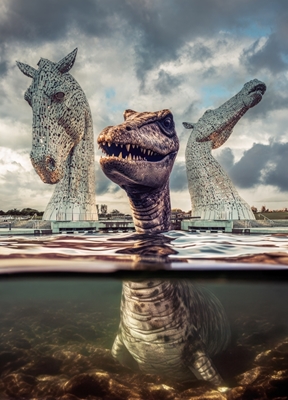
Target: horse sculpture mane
(63, 143)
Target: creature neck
(74, 195)
(151, 208)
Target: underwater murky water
(57, 330)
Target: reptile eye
(167, 125)
(59, 95)
(167, 122)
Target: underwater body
(60, 313)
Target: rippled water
(57, 331)
(175, 246)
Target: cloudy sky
(186, 55)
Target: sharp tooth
(128, 147)
(109, 144)
(120, 155)
(134, 158)
(151, 154)
(116, 144)
(121, 146)
(129, 157)
(103, 143)
(137, 146)
(133, 146)
(112, 155)
(148, 152)
(144, 151)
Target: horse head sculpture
(62, 144)
(213, 194)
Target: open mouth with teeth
(130, 152)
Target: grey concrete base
(91, 226)
(230, 226)
(58, 227)
(201, 225)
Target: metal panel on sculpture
(213, 195)
(63, 142)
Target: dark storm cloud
(3, 68)
(200, 52)
(262, 164)
(226, 158)
(156, 30)
(270, 56)
(33, 20)
(103, 184)
(178, 177)
(246, 172)
(166, 83)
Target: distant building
(104, 208)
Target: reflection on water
(175, 245)
(56, 336)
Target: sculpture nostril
(50, 163)
(128, 128)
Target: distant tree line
(267, 210)
(24, 212)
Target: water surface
(57, 330)
(175, 246)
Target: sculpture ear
(128, 113)
(67, 62)
(188, 125)
(26, 69)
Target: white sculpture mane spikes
(213, 195)
(63, 142)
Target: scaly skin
(145, 177)
(167, 327)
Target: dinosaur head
(140, 152)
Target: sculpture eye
(59, 96)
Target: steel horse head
(62, 144)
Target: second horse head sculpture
(213, 195)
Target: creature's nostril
(50, 163)
(128, 128)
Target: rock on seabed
(59, 354)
